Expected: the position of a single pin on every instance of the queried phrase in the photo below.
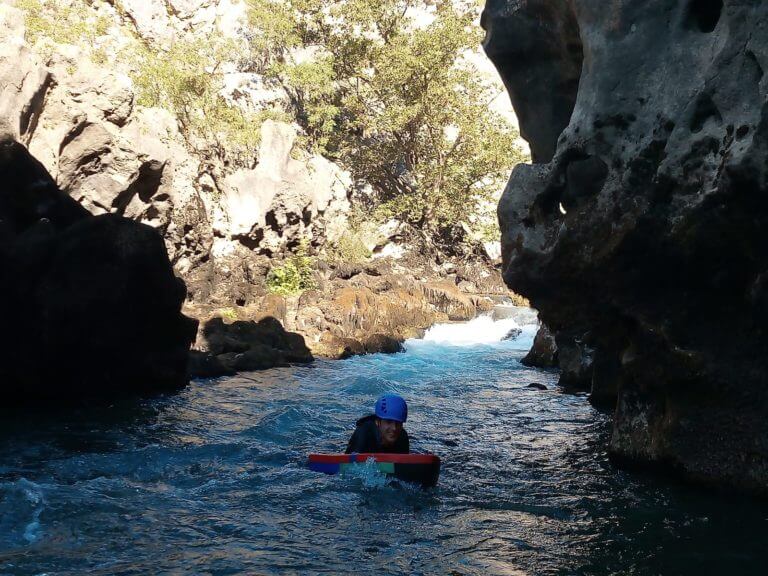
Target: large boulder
(226, 348)
(90, 304)
(642, 221)
(283, 198)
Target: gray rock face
(543, 353)
(24, 81)
(282, 198)
(645, 227)
(536, 44)
(220, 223)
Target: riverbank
(352, 309)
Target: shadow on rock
(246, 345)
(90, 304)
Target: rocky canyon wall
(639, 230)
(73, 94)
(222, 220)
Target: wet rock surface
(639, 229)
(543, 353)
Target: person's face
(389, 430)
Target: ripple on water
(212, 480)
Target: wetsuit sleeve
(356, 442)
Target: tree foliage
(394, 99)
(186, 79)
(294, 275)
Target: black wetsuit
(366, 439)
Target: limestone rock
(642, 221)
(575, 356)
(243, 346)
(515, 31)
(91, 304)
(381, 343)
(24, 80)
(185, 9)
(543, 353)
(281, 198)
(150, 19)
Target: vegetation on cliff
(387, 89)
(294, 275)
(187, 80)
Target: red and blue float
(421, 469)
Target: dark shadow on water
(94, 427)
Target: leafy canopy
(394, 99)
(186, 79)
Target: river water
(212, 480)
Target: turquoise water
(212, 481)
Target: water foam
(518, 326)
(28, 504)
(368, 473)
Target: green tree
(186, 79)
(398, 103)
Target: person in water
(382, 431)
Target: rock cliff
(90, 304)
(81, 119)
(639, 231)
(71, 90)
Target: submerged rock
(512, 334)
(642, 220)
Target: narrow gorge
(230, 230)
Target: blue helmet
(392, 407)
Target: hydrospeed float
(421, 469)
